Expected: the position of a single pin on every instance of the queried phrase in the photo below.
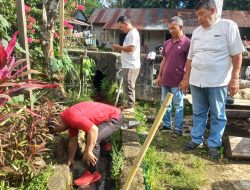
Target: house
(79, 21)
(152, 26)
(81, 35)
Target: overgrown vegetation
(165, 166)
(24, 139)
(117, 158)
(38, 182)
(108, 90)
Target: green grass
(117, 158)
(38, 182)
(166, 166)
(165, 170)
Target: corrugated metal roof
(240, 17)
(77, 22)
(156, 18)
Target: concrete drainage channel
(130, 147)
(62, 177)
(106, 183)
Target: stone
(131, 150)
(129, 135)
(244, 84)
(61, 179)
(243, 94)
(138, 180)
(238, 147)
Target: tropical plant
(13, 74)
(88, 68)
(108, 90)
(4, 26)
(8, 11)
(60, 68)
(23, 134)
(85, 71)
(23, 143)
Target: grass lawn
(166, 165)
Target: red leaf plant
(13, 74)
(22, 132)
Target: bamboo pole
(148, 140)
(119, 91)
(23, 41)
(61, 34)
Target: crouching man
(99, 121)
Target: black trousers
(105, 130)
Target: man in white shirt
(212, 71)
(130, 59)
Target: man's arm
(184, 84)
(72, 146)
(91, 141)
(233, 86)
(128, 49)
(158, 80)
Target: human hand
(184, 85)
(157, 81)
(233, 86)
(90, 158)
(115, 47)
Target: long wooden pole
(23, 41)
(61, 34)
(148, 140)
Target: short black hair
(123, 19)
(51, 124)
(207, 4)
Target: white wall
(104, 36)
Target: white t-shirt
(131, 60)
(211, 50)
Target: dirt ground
(226, 173)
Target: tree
(50, 10)
(189, 4)
(90, 6)
(236, 5)
(8, 10)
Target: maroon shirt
(84, 115)
(175, 55)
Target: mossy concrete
(61, 179)
(131, 148)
